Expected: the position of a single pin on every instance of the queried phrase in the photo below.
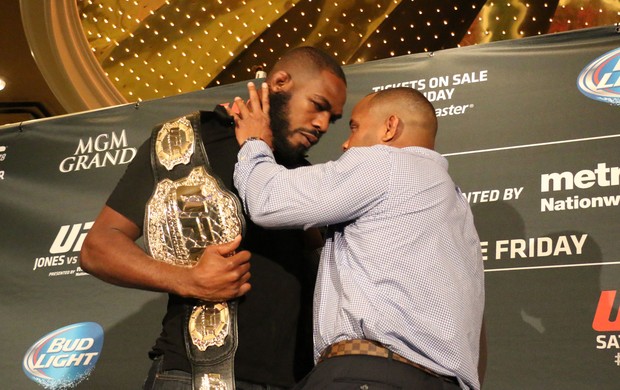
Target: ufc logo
(70, 237)
(602, 318)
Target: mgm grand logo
(99, 152)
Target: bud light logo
(64, 357)
(600, 80)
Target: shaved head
(416, 114)
(306, 59)
(409, 104)
(398, 117)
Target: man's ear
(280, 81)
(391, 130)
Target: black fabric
(274, 346)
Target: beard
(285, 152)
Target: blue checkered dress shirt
(401, 264)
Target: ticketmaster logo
(600, 80)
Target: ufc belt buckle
(184, 217)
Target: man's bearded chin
(284, 152)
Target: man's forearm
(115, 258)
(110, 253)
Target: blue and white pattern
(402, 262)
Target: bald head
(398, 117)
(416, 115)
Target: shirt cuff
(250, 139)
(253, 147)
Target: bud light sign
(64, 357)
(600, 79)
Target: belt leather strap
(213, 368)
(181, 169)
(374, 348)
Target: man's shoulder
(216, 125)
(218, 117)
(366, 154)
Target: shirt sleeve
(318, 195)
(134, 189)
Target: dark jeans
(181, 380)
(370, 373)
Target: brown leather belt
(373, 348)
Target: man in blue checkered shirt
(400, 292)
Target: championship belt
(190, 209)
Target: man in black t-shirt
(307, 93)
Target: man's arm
(110, 253)
(317, 195)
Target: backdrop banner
(530, 128)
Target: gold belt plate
(175, 143)
(209, 324)
(187, 215)
(184, 217)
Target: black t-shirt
(274, 318)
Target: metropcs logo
(600, 80)
(600, 177)
(64, 357)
